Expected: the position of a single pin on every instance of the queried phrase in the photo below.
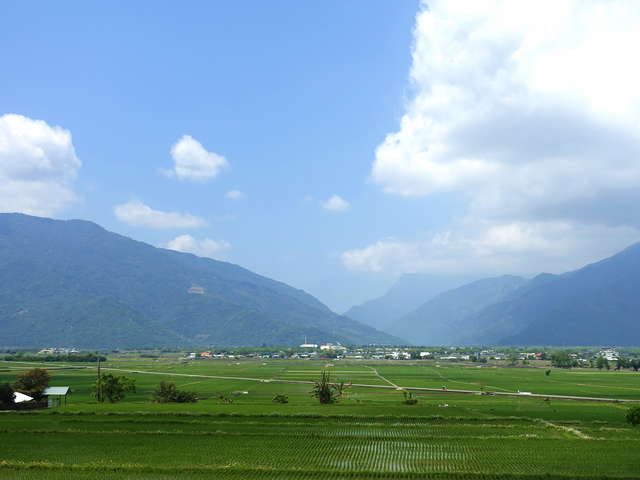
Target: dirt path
(384, 387)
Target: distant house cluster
(609, 354)
(196, 290)
(58, 351)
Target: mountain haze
(598, 304)
(446, 318)
(73, 283)
(409, 292)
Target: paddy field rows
(369, 434)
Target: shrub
(167, 392)
(6, 396)
(225, 398)
(633, 415)
(325, 391)
(279, 398)
(33, 382)
(409, 398)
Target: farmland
(369, 433)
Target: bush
(409, 398)
(225, 398)
(33, 382)
(112, 388)
(6, 396)
(279, 398)
(327, 392)
(167, 392)
(633, 415)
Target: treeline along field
(369, 433)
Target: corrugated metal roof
(56, 391)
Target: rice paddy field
(369, 434)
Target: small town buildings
(609, 354)
(332, 348)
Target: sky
(331, 145)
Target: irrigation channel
(385, 387)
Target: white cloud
(191, 161)
(38, 164)
(234, 195)
(205, 247)
(530, 113)
(335, 203)
(138, 214)
(517, 248)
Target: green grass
(368, 434)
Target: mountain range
(73, 283)
(409, 292)
(598, 304)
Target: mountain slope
(74, 283)
(596, 305)
(448, 318)
(408, 293)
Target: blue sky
(457, 139)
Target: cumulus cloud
(38, 165)
(516, 247)
(205, 247)
(138, 214)
(530, 113)
(191, 161)
(234, 195)
(335, 203)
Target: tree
(167, 392)
(562, 360)
(325, 391)
(622, 363)
(601, 363)
(7, 399)
(113, 388)
(635, 364)
(633, 415)
(33, 382)
(513, 359)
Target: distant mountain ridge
(409, 292)
(598, 304)
(447, 318)
(73, 283)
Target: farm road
(384, 387)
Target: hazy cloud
(235, 195)
(137, 214)
(335, 203)
(517, 247)
(38, 164)
(191, 161)
(204, 247)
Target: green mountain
(449, 318)
(72, 283)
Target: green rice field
(369, 434)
